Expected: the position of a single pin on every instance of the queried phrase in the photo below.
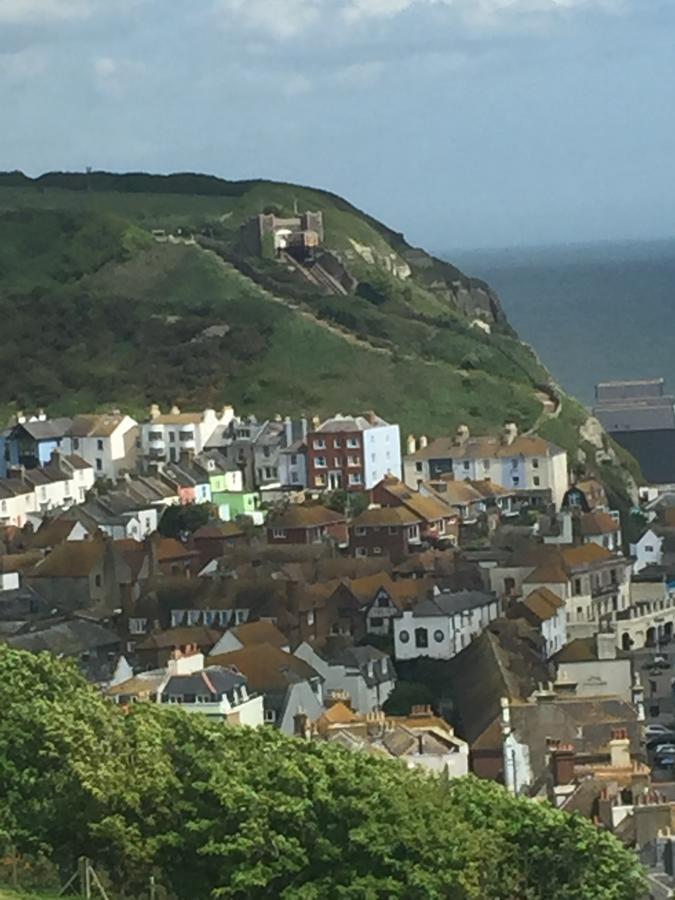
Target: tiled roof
(266, 667)
(583, 650)
(52, 532)
(176, 419)
(252, 633)
(180, 637)
(351, 423)
(71, 559)
(486, 447)
(393, 516)
(95, 425)
(543, 603)
(598, 523)
(461, 493)
(586, 555)
(170, 548)
(296, 516)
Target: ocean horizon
(593, 312)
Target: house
(588, 495)
(212, 541)
(65, 480)
(293, 465)
(57, 530)
(440, 626)
(95, 648)
(107, 442)
(544, 611)
(532, 466)
(165, 436)
(17, 501)
(156, 650)
(437, 516)
(250, 634)
(174, 557)
(32, 440)
(288, 685)
(81, 574)
(649, 619)
(647, 551)
(363, 674)
(118, 515)
(213, 691)
(594, 666)
(392, 531)
(269, 235)
(311, 524)
(420, 740)
(601, 528)
(352, 453)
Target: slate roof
(450, 603)
(66, 638)
(360, 658)
(49, 429)
(213, 681)
(98, 426)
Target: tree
(179, 520)
(220, 811)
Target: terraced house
(528, 464)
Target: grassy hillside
(97, 312)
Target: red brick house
(439, 520)
(392, 531)
(352, 453)
(306, 525)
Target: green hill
(100, 309)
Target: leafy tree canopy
(217, 811)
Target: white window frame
(278, 534)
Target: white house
(365, 674)
(62, 483)
(441, 626)
(212, 691)
(648, 551)
(165, 436)
(107, 442)
(545, 611)
(532, 466)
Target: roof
(296, 516)
(143, 683)
(266, 667)
(429, 508)
(66, 638)
(170, 548)
(97, 426)
(392, 516)
(486, 447)
(461, 493)
(18, 562)
(253, 633)
(449, 603)
(351, 423)
(180, 637)
(598, 523)
(374, 665)
(47, 429)
(52, 532)
(71, 559)
(543, 603)
(175, 419)
(223, 530)
(583, 650)
(585, 555)
(213, 680)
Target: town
(462, 603)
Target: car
(656, 728)
(664, 748)
(659, 740)
(665, 762)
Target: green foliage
(217, 811)
(178, 520)
(351, 503)
(407, 694)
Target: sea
(593, 312)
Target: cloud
(282, 19)
(115, 77)
(23, 65)
(20, 11)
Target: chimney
(545, 694)
(411, 444)
(462, 435)
(175, 410)
(424, 442)
(155, 411)
(638, 697)
(562, 764)
(606, 645)
(619, 749)
(510, 433)
(316, 421)
(288, 431)
(300, 725)
(42, 415)
(185, 663)
(20, 417)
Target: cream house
(107, 442)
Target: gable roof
(266, 667)
(296, 516)
(392, 516)
(351, 423)
(46, 429)
(449, 603)
(66, 638)
(598, 523)
(486, 447)
(71, 559)
(98, 426)
(251, 634)
(585, 555)
(172, 638)
(583, 650)
(543, 603)
(213, 680)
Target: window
(360, 552)
(353, 461)
(202, 698)
(270, 472)
(383, 602)
(186, 436)
(4, 506)
(403, 637)
(486, 464)
(580, 611)
(172, 437)
(337, 443)
(319, 444)
(156, 436)
(338, 462)
(310, 617)
(577, 586)
(649, 548)
(419, 467)
(294, 459)
(320, 480)
(360, 531)
(536, 481)
(421, 637)
(393, 529)
(438, 636)
(355, 478)
(467, 465)
(99, 464)
(516, 480)
(320, 462)
(99, 445)
(352, 443)
(278, 533)
(535, 463)
(270, 716)
(514, 463)
(97, 580)
(76, 443)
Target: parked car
(654, 729)
(664, 747)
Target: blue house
(30, 442)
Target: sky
(463, 123)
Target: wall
(607, 676)
(381, 454)
(300, 698)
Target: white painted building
(62, 483)
(107, 442)
(165, 436)
(528, 464)
(365, 674)
(440, 627)
(647, 551)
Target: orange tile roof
(598, 523)
(252, 633)
(543, 603)
(586, 555)
(296, 516)
(392, 516)
(265, 666)
(71, 559)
